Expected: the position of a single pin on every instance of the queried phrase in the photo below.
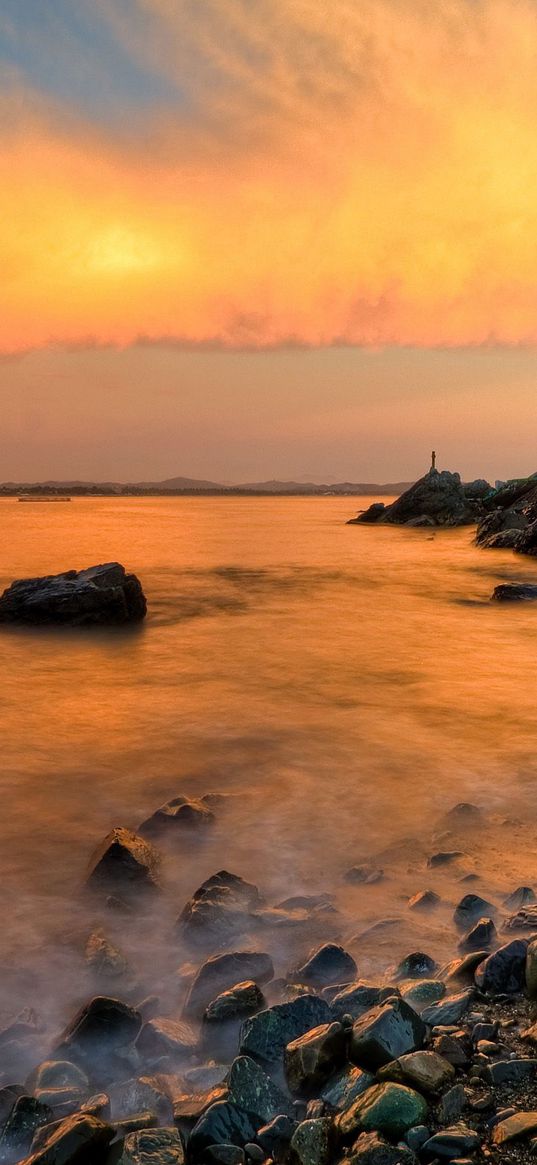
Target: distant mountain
(199, 485)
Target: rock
(531, 969)
(420, 993)
(222, 1123)
(524, 919)
(481, 936)
(389, 1108)
(356, 999)
(58, 1074)
(504, 971)
(98, 595)
(312, 1142)
(438, 496)
(153, 1147)
(342, 1089)
(456, 1048)
(251, 1090)
(162, 1036)
(385, 1033)
(220, 908)
(225, 1155)
(364, 875)
(312, 1058)
(521, 1124)
(452, 1144)
(464, 815)
(373, 514)
(425, 900)
(370, 1149)
(274, 1137)
(124, 863)
(514, 592)
(452, 1104)
(143, 1093)
(103, 959)
(463, 970)
(177, 815)
(76, 1140)
(103, 1024)
(266, 1035)
(426, 1071)
(415, 966)
(522, 896)
(449, 1010)
(330, 964)
(444, 858)
(27, 1115)
(243, 999)
(223, 972)
(510, 1071)
(189, 1107)
(470, 909)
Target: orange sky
(269, 174)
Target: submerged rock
(221, 907)
(178, 815)
(99, 595)
(123, 863)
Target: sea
(343, 686)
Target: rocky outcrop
(510, 518)
(437, 499)
(100, 595)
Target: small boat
(45, 498)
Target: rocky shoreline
(257, 1057)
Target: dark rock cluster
(317, 1066)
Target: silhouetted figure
(433, 460)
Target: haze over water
(347, 685)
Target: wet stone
(510, 1071)
(266, 1035)
(27, 1115)
(222, 1123)
(166, 1037)
(384, 1034)
(452, 1143)
(470, 909)
(426, 900)
(223, 972)
(275, 1136)
(504, 971)
(515, 1127)
(449, 1010)
(78, 1138)
(177, 816)
(243, 999)
(481, 936)
(356, 999)
(343, 1088)
(312, 1142)
(520, 897)
(372, 1149)
(424, 1070)
(252, 1090)
(388, 1108)
(417, 965)
(313, 1057)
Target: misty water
(345, 686)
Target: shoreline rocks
(439, 498)
(100, 595)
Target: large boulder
(385, 1033)
(99, 595)
(266, 1035)
(77, 1140)
(102, 1025)
(220, 908)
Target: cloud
(357, 174)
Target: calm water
(347, 685)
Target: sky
(243, 239)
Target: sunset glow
(374, 184)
